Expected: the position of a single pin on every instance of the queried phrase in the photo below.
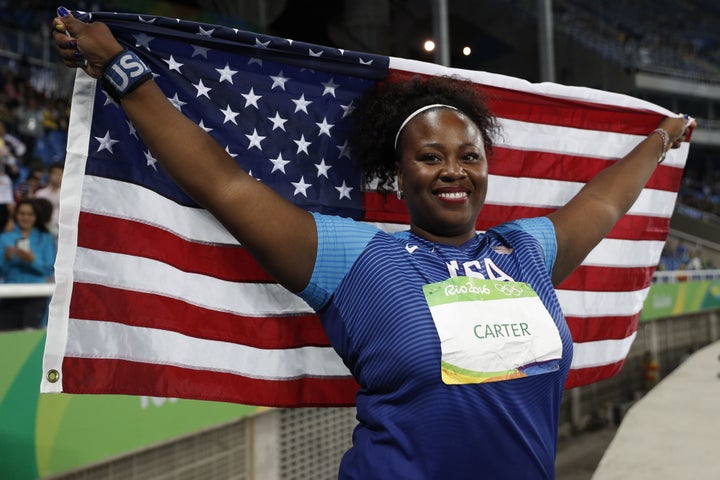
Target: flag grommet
(53, 376)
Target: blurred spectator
(651, 370)
(30, 123)
(55, 121)
(8, 171)
(682, 253)
(695, 262)
(12, 149)
(677, 256)
(27, 255)
(29, 185)
(51, 192)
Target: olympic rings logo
(510, 290)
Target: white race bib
(492, 330)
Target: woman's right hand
(89, 46)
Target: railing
(676, 276)
(18, 290)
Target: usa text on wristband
(123, 74)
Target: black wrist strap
(124, 73)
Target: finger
(61, 36)
(71, 24)
(64, 42)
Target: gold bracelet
(665, 143)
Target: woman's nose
(453, 168)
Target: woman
(488, 404)
(28, 256)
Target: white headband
(416, 113)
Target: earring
(399, 194)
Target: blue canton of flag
(284, 118)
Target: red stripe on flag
(585, 376)
(97, 302)
(509, 162)
(536, 108)
(592, 329)
(226, 262)
(386, 208)
(608, 279)
(121, 377)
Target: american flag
(154, 297)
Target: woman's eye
(430, 157)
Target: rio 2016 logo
(451, 290)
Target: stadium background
(665, 51)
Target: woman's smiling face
(442, 172)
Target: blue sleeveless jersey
(367, 287)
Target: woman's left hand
(678, 128)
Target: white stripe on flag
(612, 252)
(599, 304)
(150, 276)
(540, 137)
(121, 199)
(549, 89)
(538, 192)
(601, 352)
(96, 339)
(70, 194)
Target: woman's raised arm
(591, 214)
(281, 236)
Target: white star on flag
(143, 40)
(151, 161)
(301, 104)
(205, 33)
(201, 124)
(279, 163)
(344, 190)
(131, 128)
(106, 143)
(301, 187)
(302, 145)
(226, 74)
(172, 64)
(329, 87)
(277, 121)
(322, 168)
(324, 127)
(199, 51)
(177, 103)
(278, 80)
(344, 149)
(229, 115)
(202, 90)
(255, 140)
(251, 98)
(347, 109)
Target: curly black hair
(382, 110)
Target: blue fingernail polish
(63, 12)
